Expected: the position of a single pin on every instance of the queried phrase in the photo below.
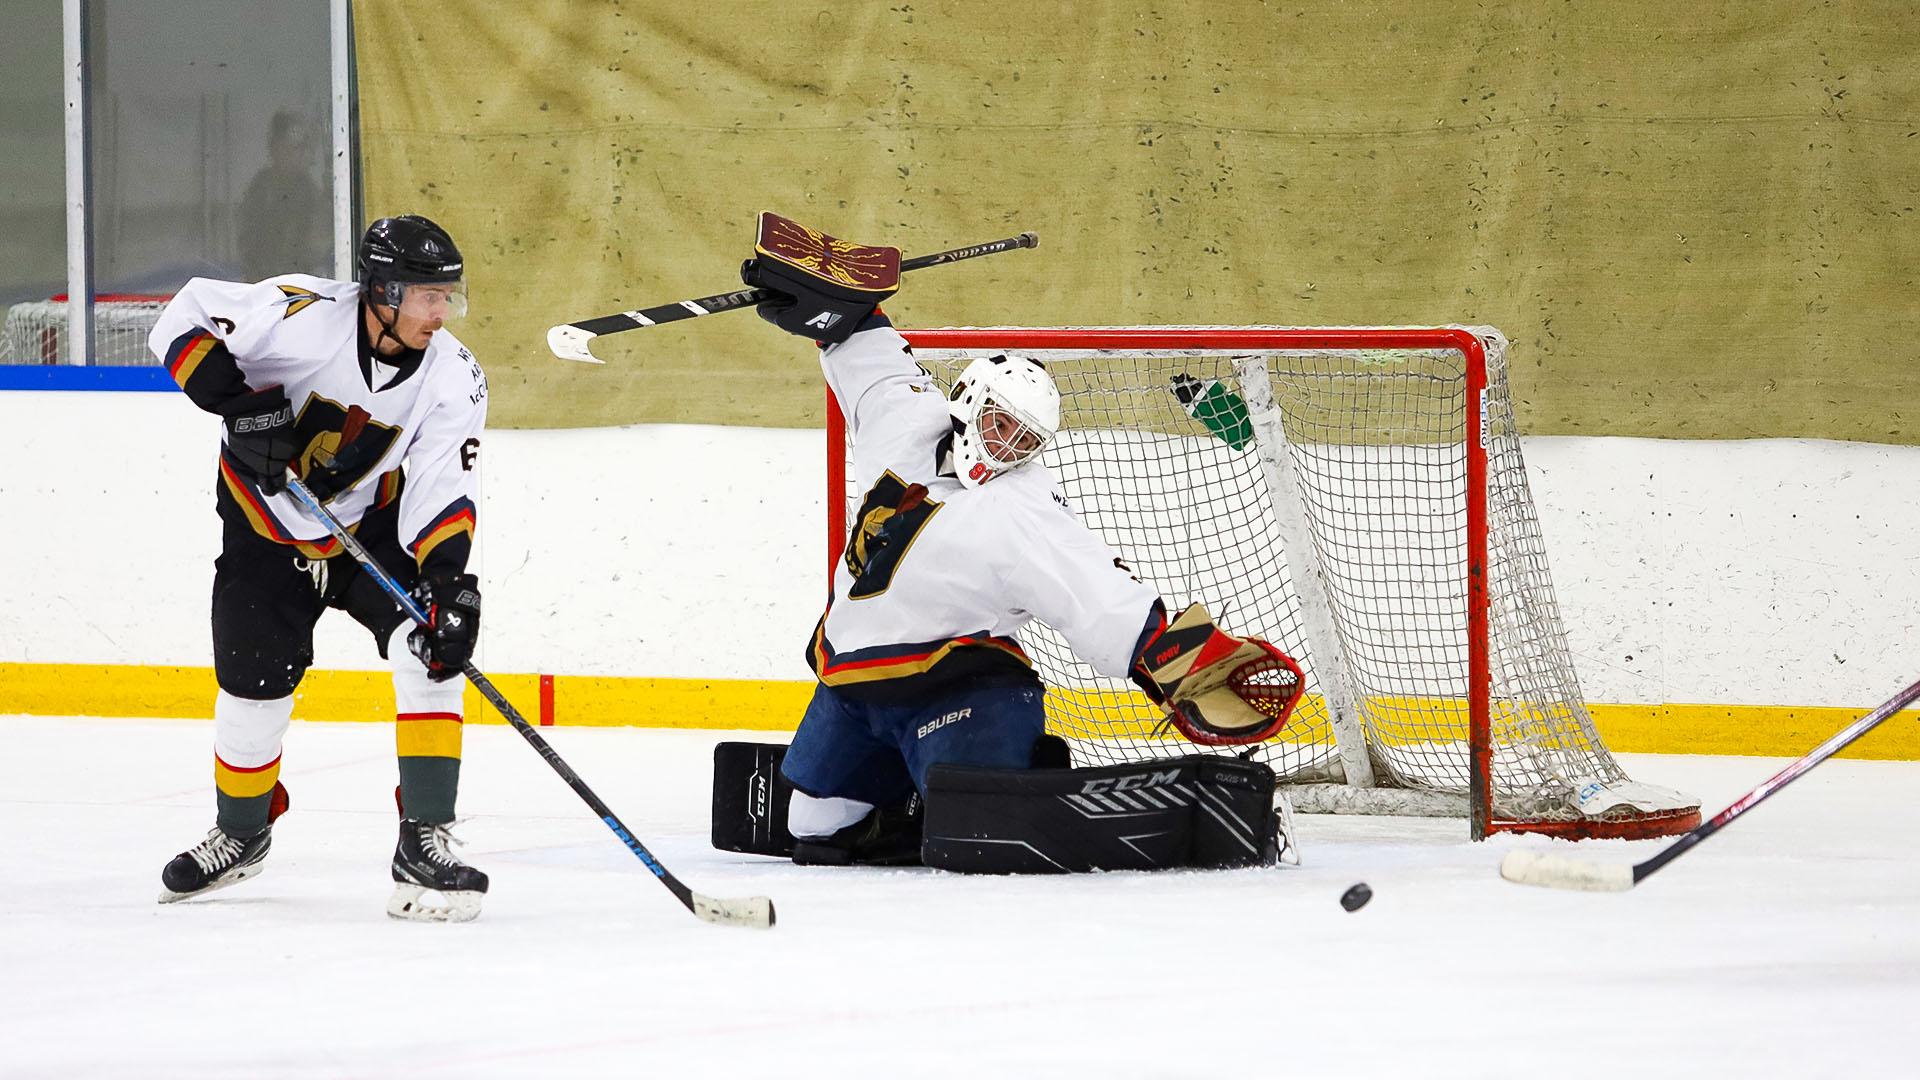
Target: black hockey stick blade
(570, 341)
(1548, 870)
(755, 912)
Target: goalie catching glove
(1218, 689)
(824, 286)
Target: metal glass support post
(341, 68)
(73, 20)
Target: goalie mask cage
(1356, 496)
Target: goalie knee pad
(1199, 811)
(884, 836)
(809, 818)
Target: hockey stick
(754, 911)
(569, 341)
(1561, 872)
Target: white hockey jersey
(938, 577)
(359, 418)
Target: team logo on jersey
(296, 299)
(340, 445)
(891, 517)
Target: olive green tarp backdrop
(1693, 220)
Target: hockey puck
(1356, 898)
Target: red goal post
(1357, 496)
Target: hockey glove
(823, 286)
(260, 438)
(1218, 689)
(452, 606)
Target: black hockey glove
(824, 287)
(260, 437)
(452, 606)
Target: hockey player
(360, 390)
(962, 537)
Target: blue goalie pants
(850, 748)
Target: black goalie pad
(1199, 811)
(750, 799)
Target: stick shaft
(1840, 741)
(493, 695)
(569, 340)
(1562, 872)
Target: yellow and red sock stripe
(883, 662)
(245, 782)
(427, 734)
(457, 520)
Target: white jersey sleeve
(874, 378)
(438, 506)
(1072, 580)
(218, 338)
(240, 314)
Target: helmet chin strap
(386, 329)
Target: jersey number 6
(891, 516)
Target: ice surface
(1786, 946)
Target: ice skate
(423, 864)
(214, 863)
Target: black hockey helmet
(409, 249)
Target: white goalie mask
(1004, 408)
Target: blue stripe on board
(68, 377)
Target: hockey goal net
(1357, 496)
(36, 332)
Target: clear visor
(1006, 436)
(432, 299)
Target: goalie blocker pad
(1198, 811)
(834, 283)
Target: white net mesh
(1375, 438)
(36, 333)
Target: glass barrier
(208, 144)
(32, 170)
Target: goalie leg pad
(1199, 811)
(750, 799)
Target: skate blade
(416, 904)
(231, 877)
